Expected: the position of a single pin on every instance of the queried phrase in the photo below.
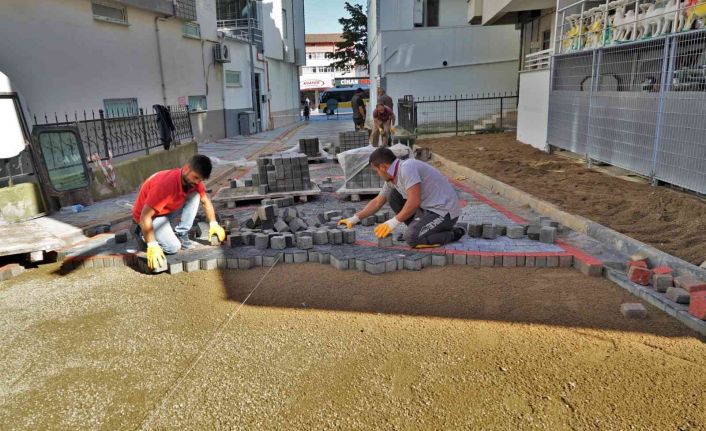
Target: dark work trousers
(425, 227)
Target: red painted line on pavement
(580, 255)
(506, 212)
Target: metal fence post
(501, 112)
(144, 131)
(105, 135)
(667, 68)
(456, 116)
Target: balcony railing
(246, 29)
(538, 60)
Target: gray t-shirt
(438, 195)
(385, 100)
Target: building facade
(535, 19)
(318, 74)
(427, 48)
(119, 56)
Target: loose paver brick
(690, 283)
(633, 310)
(278, 242)
(662, 282)
(678, 295)
(515, 232)
(547, 234)
(305, 242)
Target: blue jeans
(167, 237)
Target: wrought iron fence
(120, 132)
(479, 113)
(639, 106)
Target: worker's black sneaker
(186, 243)
(459, 232)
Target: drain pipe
(159, 58)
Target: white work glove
(350, 221)
(384, 229)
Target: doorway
(258, 97)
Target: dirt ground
(669, 220)
(316, 348)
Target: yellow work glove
(215, 229)
(155, 256)
(384, 229)
(349, 222)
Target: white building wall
(410, 60)
(533, 108)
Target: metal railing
(246, 29)
(538, 60)
(120, 132)
(639, 106)
(468, 114)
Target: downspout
(252, 60)
(159, 58)
(270, 118)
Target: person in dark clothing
(358, 106)
(165, 124)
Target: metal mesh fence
(459, 115)
(638, 105)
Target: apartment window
(108, 11)
(197, 103)
(124, 107)
(285, 30)
(426, 13)
(191, 29)
(546, 39)
(233, 78)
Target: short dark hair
(382, 155)
(358, 90)
(202, 165)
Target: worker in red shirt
(383, 119)
(166, 195)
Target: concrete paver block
(208, 264)
(690, 283)
(192, 265)
(552, 261)
(678, 295)
(301, 256)
(509, 261)
(547, 235)
(475, 230)
(697, 306)
(489, 231)
(348, 236)
(320, 237)
(473, 260)
(385, 242)
(515, 232)
(566, 261)
(278, 242)
(339, 263)
(375, 268)
(633, 310)
(487, 260)
(262, 241)
(662, 282)
(438, 260)
(232, 263)
(245, 263)
(530, 261)
(639, 275)
(324, 257)
(305, 242)
(412, 264)
(540, 261)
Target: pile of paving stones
(272, 226)
(366, 178)
(350, 140)
(542, 229)
(310, 147)
(280, 172)
(684, 289)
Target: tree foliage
(353, 49)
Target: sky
(321, 16)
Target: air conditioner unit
(221, 53)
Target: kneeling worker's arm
(155, 254)
(414, 194)
(214, 227)
(371, 208)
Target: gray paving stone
(320, 237)
(232, 263)
(313, 256)
(515, 232)
(473, 260)
(236, 240)
(460, 259)
(530, 261)
(324, 257)
(662, 282)
(509, 261)
(678, 295)
(301, 256)
(540, 261)
(475, 230)
(305, 242)
(348, 236)
(547, 235)
(521, 260)
(566, 261)
(391, 265)
(533, 232)
(500, 230)
(633, 310)
(270, 261)
(368, 221)
(360, 264)
(489, 231)
(192, 265)
(438, 260)
(245, 263)
(262, 241)
(288, 258)
(412, 264)
(281, 226)
(339, 263)
(278, 242)
(487, 260)
(552, 261)
(375, 268)
(385, 242)
(498, 261)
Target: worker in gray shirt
(420, 196)
(384, 98)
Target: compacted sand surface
(317, 348)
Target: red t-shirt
(163, 192)
(384, 115)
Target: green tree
(353, 49)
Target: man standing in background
(384, 98)
(358, 106)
